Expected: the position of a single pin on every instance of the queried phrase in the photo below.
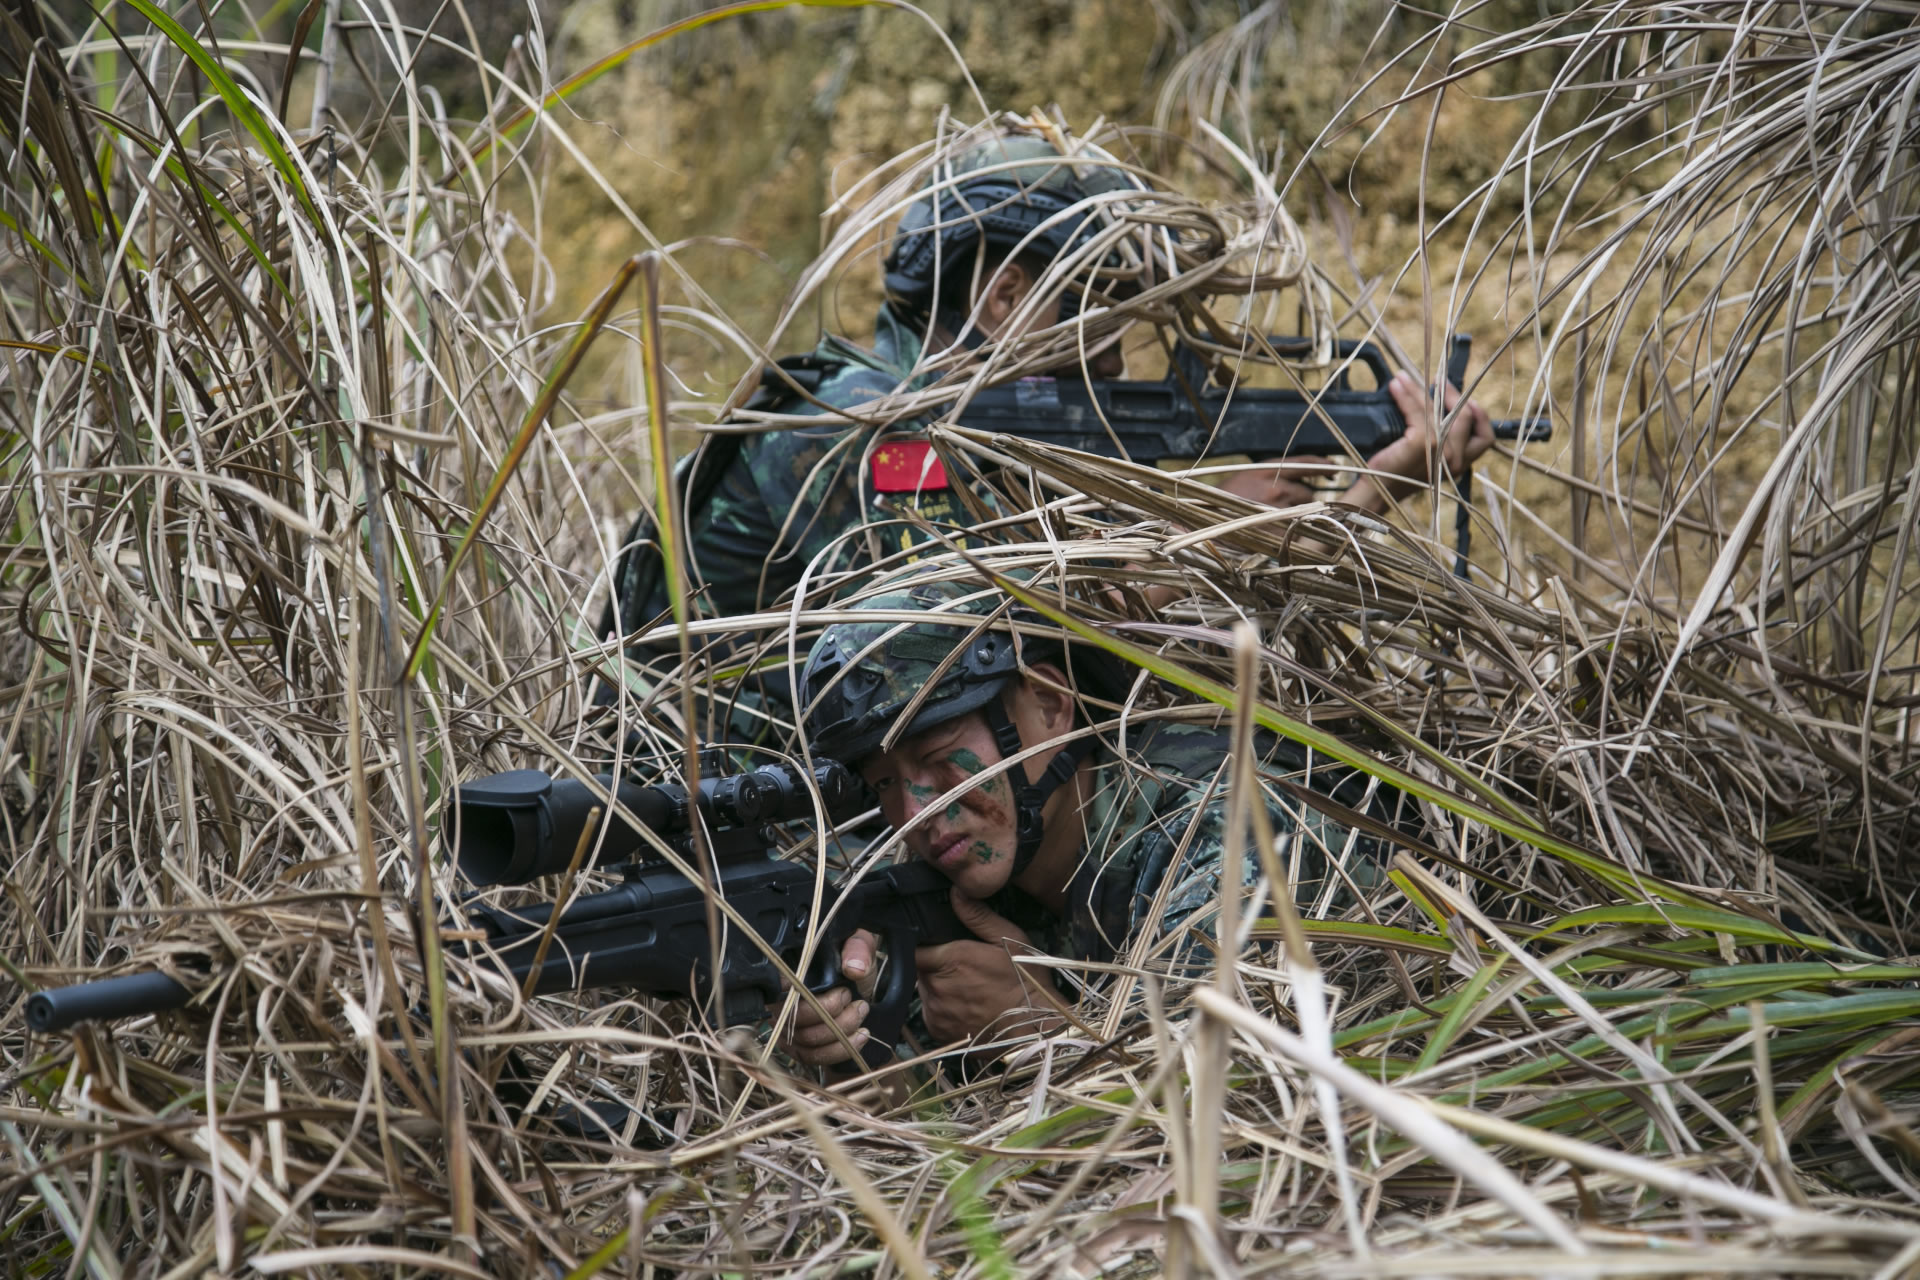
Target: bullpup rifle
(1186, 416)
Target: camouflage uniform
(786, 497)
(1158, 817)
(1157, 812)
(1157, 821)
(761, 508)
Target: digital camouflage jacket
(1156, 844)
(777, 502)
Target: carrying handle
(1358, 350)
(1195, 368)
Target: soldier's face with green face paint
(944, 789)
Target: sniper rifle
(650, 932)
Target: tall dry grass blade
(556, 384)
(1210, 1036)
(670, 523)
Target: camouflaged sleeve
(789, 497)
(1308, 844)
(1157, 847)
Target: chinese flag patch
(907, 466)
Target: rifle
(650, 932)
(1183, 416)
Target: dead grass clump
(297, 539)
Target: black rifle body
(651, 932)
(1181, 417)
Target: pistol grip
(1459, 351)
(892, 999)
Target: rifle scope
(516, 826)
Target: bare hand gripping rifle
(650, 932)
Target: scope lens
(489, 849)
(515, 826)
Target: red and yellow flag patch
(907, 466)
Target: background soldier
(760, 508)
(960, 269)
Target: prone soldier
(1079, 853)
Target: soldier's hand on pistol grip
(969, 987)
(817, 1042)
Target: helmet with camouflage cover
(863, 676)
(1014, 192)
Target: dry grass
(296, 538)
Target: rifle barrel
(1533, 430)
(60, 1008)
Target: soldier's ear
(1004, 288)
(1052, 699)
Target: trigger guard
(827, 967)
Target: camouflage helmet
(1014, 191)
(862, 676)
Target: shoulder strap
(778, 380)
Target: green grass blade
(1456, 1019)
(1505, 820)
(40, 247)
(542, 405)
(1356, 931)
(1704, 918)
(1808, 973)
(249, 116)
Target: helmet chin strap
(1030, 798)
(955, 322)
